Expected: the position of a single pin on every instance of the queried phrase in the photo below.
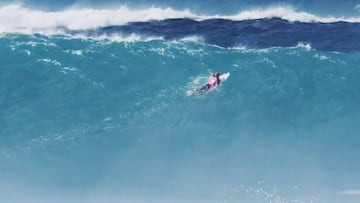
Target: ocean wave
(100, 107)
(18, 18)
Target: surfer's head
(216, 74)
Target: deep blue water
(260, 33)
(99, 113)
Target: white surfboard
(222, 77)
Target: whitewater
(93, 104)
(17, 18)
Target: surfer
(214, 80)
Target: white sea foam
(357, 7)
(17, 18)
(287, 13)
(244, 49)
(46, 60)
(118, 38)
(350, 192)
(303, 45)
(127, 38)
(197, 39)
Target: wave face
(261, 33)
(93, 106)
(101, 121)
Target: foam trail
(351, 192)
(119, 38)
(17, 18)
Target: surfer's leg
(203, 88)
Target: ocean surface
(93, 106)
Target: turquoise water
(87, 120)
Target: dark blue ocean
(93, 106)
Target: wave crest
(17, 18)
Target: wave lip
(17, 18)
(287, 13)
